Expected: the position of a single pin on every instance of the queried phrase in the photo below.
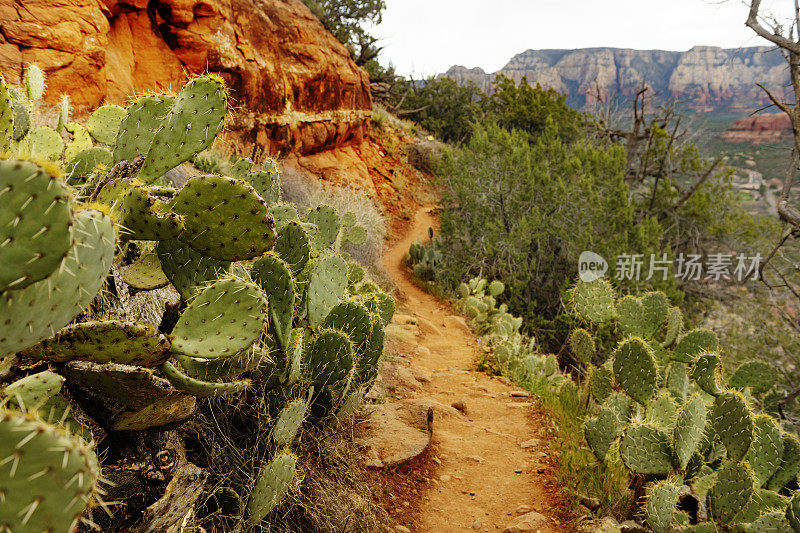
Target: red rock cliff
(294, 85)
(765, 128)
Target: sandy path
(485, 475)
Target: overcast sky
(423, 37)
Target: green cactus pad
(81, 140)
(635, 369)
(187, 269)
(355, 273)
(224, 218)
(294, 246)
(138, 128)
(674, 325)
(594, 302)
(380, 304)
(31, 392)
(64, 111)
(707, 373)
(294, 357)
(288, 423)
(790, 463)
(656, 311)
(357, 235)
(275, 278)
(766, 451)
(600, 432)
(631, 317)
(645, 449)
(793, 511)
(662, 501)
(772, 522)
(582, 345)
(762, 502)
(622, 406)
(354, 320)
(34, 83)
(327, 222)
(48, 476)
(225, 369)
(38, 311)
(661, 412)
(45, 143)
(190, 126)
(133, 386)
(22, 117)
(733, 489)
(271, 486)
(173, 408)
(759, 376)
(283, 214)
(241, 168)
(267, 185)
(326, 286)
(223, 320)
(139, 214)
(601, 382)
(688, 431)
(6, 118)
(145, 274)
(351, 403)
(367, 364)
(86, 161)
(105, 122)
(110, 341)
(733, 423)
(329, 358)
(677, 381)
(35, 224)
(694, 344)
(198, 388)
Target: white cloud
(428, 36)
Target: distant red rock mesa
(766, 128)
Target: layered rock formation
(767, 128)
(294, 85)
(705, 78)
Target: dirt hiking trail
(493, 472)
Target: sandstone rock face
(706, 78)
(767, 128)
(294, 86)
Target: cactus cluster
(425, 258)
(662, 406)
(266, 309)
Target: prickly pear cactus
(594, 301)
(635, 369)
(732, 421)
(270, 487)
(662, 500)
(645, 449)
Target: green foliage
(349, 21)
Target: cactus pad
(34, 83)
(600, 432)
(594, 301)
(294, 246)
(145, 274)
(139, 126)
(329, 358)
(48, 475)
(288, 423)
(631, 317)
(82, 164)
(677, 381)
(188, 269)
(36, 312)
(327, 222)
(707, 372)
(661, 412)
(81, 140)
(326, 286)
(367, 364)
(174, 408)
(656, 311)
(635, 369)
(790, 463)
(662, 501)
(674, 325)
(132, 386)
(104, 123)
(108, 341)
(6, 118)
(601, 382)
(267, 185)
(31, 392)
(271, 486)
(693, 344)
(688, 431)
(766, 451)
(352, 319)
(283, 214)
(275, 278)
(733, 423)
(45, 143)
(793, 511)
(357, 235)
(190, 126)
(645, 449)
(582, 345)
(224, 218)
(35, 222)
(198, 388)
(223, 320)
(733, 489)
(759, 376)
(140, 216)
